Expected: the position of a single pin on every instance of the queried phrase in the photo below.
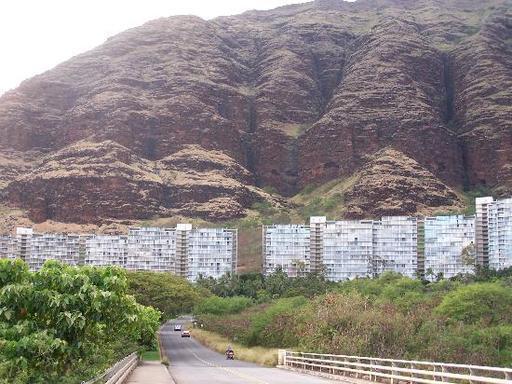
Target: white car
(177, 327)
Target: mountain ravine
(407, 102)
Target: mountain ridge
(279, 100)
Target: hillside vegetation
(464, 320)
(65, 325)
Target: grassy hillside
(468, 320)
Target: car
(185, 334)
(177, 327)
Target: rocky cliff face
(194, 117)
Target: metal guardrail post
(281, 357)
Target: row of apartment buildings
(415, 247)
(185, 251)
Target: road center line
(229, 370)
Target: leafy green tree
(170, 294)
(250, 284)
(489, 303)
(56, 322)
(277, 283)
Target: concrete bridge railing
(392, 371)
(118, 373)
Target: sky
(36, 35)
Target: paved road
(192, 363)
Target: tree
(58, 321)
(468, 255)
(277, 283)
(170, 294)
(490, 303)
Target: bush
(267, 331)
(489, 303)
(215, 305)
(391, 316)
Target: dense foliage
(63, 324)
(263, 288)
(171, 294)
(216, 305)
(463, 320)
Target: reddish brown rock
(393, 184)
(482, 70)
(97, 182)
(392, 94)
(193, 117)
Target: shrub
(215, 305)
(265, 330)
(490, 303)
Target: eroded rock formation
(193, 117)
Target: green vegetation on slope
(221, 306)
(66, 324)
(264, 288)
(464, 320)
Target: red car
(185, 334)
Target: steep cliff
(193, 117)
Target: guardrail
(118, 373)
(392, 371)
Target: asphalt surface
(192, 363)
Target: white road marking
(230, 370)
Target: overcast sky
(36, 35)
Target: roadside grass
(154, 355)
(258, 355)
(151, 356)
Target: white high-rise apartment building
(482, 229)
(182, 250)
(104, 250)
(23, 242)
(343, 249)
(288, 247)
(500, 234)
(152, 249)
(395, 245)
(445, 239)
(212, 252)
(348, 249)
(317, 226)
(7, 247)
(49, 246)
(36, 248)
